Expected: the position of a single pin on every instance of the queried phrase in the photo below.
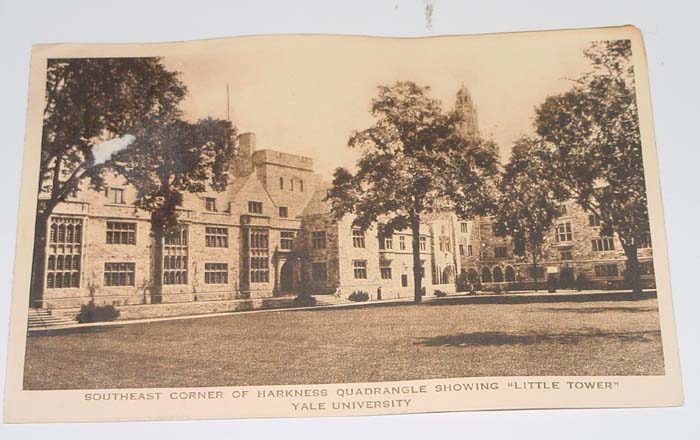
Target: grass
(400, 342)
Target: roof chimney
(246, 144)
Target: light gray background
(670, 33)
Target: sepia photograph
(310, 210)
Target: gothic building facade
(271, 232)
(575, 255)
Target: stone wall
(95, 209)
(400, 261)
(150, 311)
(288, 179)
(445, 263)
(328, 255)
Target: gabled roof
(246, 188)
(238, 183)
(317, 204)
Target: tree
(90, 101)
(528, 201)
(413, 163)
(167, 159)
(593, 131)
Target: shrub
(304, 301)
(359, 296)
(516, 286)
(439, 293)
(93, 313)
(566, 278)
(244, 306)
(462, 282)
(582, 282)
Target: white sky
(306, 95)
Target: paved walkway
(461, 298)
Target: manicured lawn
(355, 345)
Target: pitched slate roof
(317, 204)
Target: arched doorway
(448, 275)
(497, 274)
(287, 277)
(485, 275)
(510, 274)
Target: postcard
(320, 225)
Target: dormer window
(210, 204)
(115, 195)
(284, 212)
(255, 207)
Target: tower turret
(469, 122)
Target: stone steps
(40, 318)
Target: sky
(307, 94)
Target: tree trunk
(158, 233)
(633, 273)
(534, 271)
(36, 289)
(417, 278)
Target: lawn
(399, 342)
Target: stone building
(231, 244)
(575, 255)
(271, 232)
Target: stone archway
(497, 274)
(448, 275)
(287, 277)
(510, 274)
(486, 275)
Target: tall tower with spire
(469, 123)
